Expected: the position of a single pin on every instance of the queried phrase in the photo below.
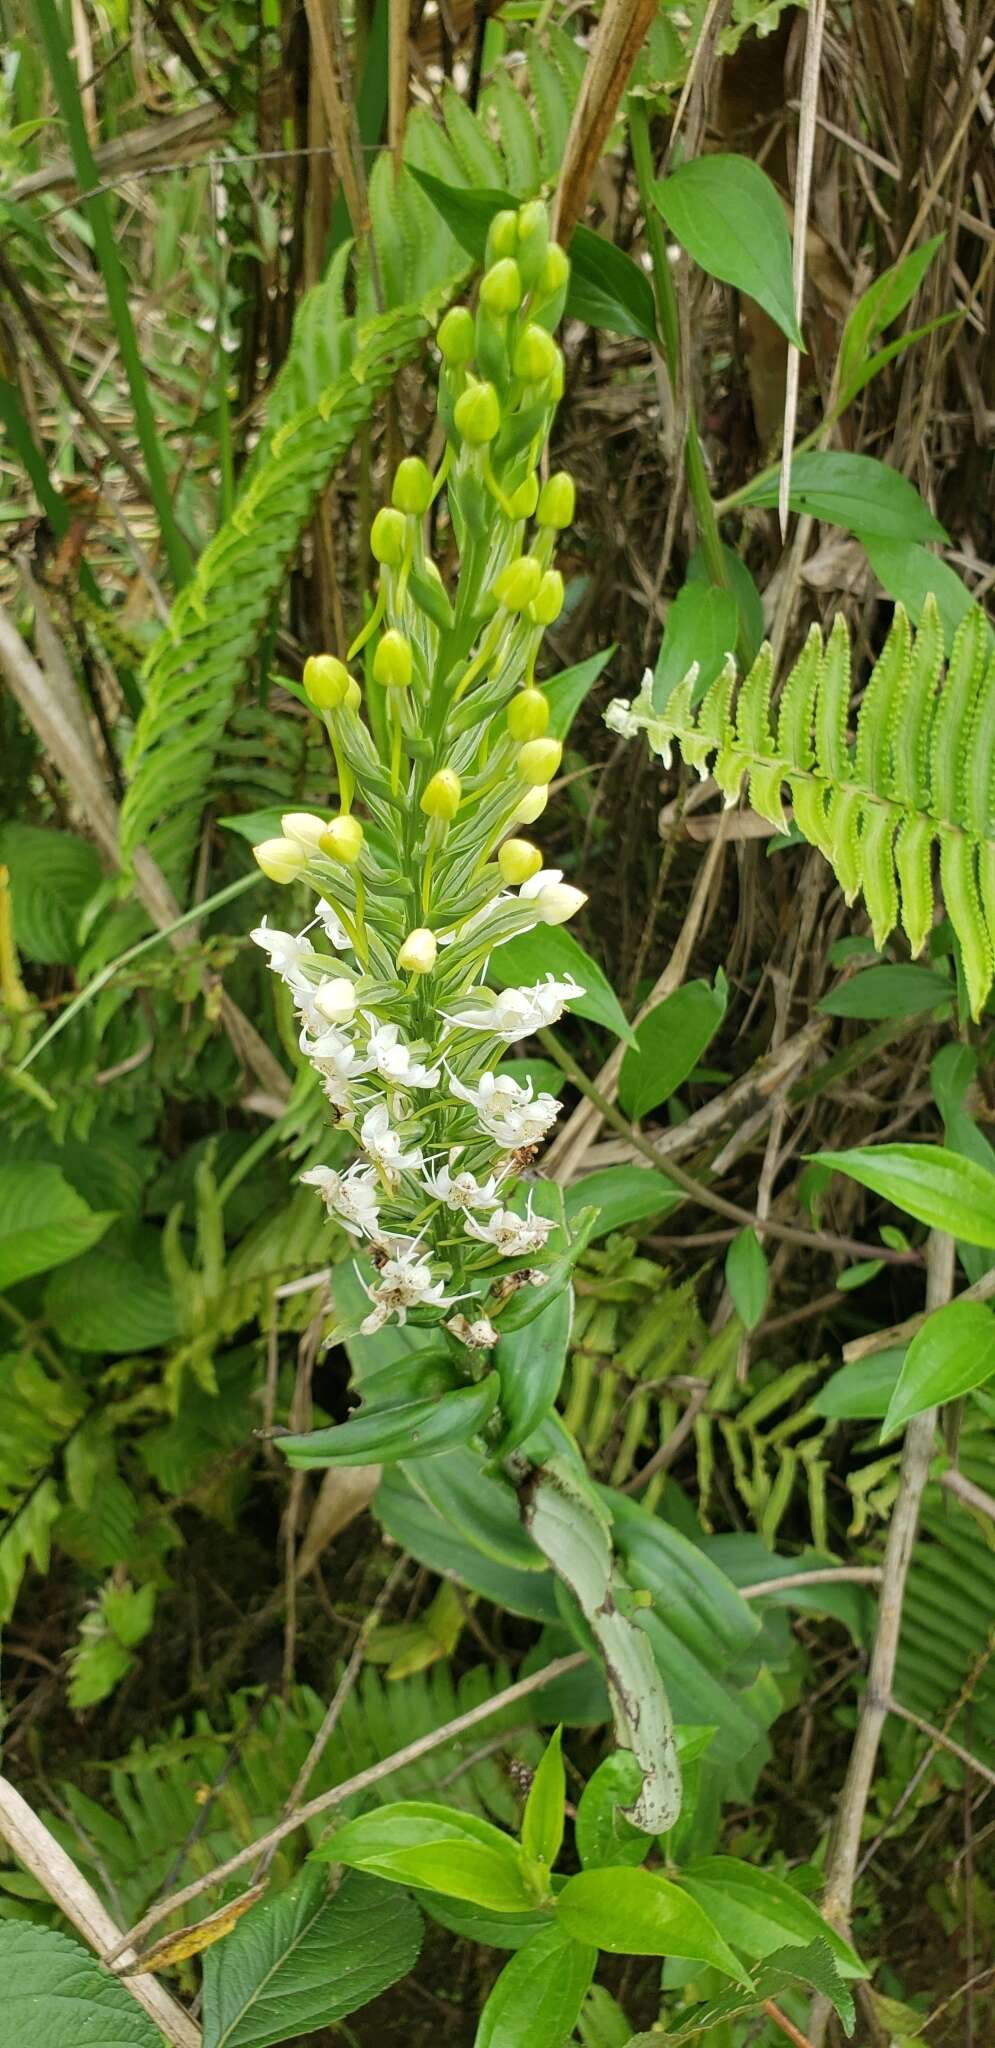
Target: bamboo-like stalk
(96, 209)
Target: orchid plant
(444, 758)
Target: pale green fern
(917, 779)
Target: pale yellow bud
(343, 840)
(281, 859)
(539, 760)
(418, 953)
(302, 827)
(442, 794)
(531, 806)
(518, 861)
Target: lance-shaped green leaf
(952, 1353)
(937, 1187)
(538, 1996)
(542, 1821)
(405, 1429)
(435, 1848)
(640, 1913)
(572, 1529)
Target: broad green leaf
(854, 491)
(566, 692)
(862, 1392)
(702, 626)
(434, 1848)
(877, 308)
(304, 1958)
(669, 1044)
(902, 991)
(638, 1913)
(43, 1221)
(52, 878)
(572, 1527)
(536, 1999)
(603, 1834)
(727, 214)
(551, 949)
(542, 1821)
(56, 1995)
(622, 1194)
(758, 1912)
(530, 1362)
(910, 574)
(746, 1277)
(952, 1353)
(749, 603)
(937, 1187)
(607, 289)
(402, 1429)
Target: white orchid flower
(383, 1144)
(284, 950)
(405, 1282)
(513, 1236)
(507, 1112)
(351, 1196)
(515, 1012)
(393, 1059)
(459, 1190)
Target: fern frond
(156, 1810)
(916, 782)
(336, 369)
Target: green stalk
(666, 301)
(95, 207)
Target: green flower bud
(392, 663)
(555, 272)
(477, 414)
(501, 287)
(539, 760)
(418, 953)
(556, 500)
(502, 236)
(533, 240)
(523, 502)
(455, 336)
(528, 715)
(388, 537)
(282, 860)
(536, 355)
(413, 486)
(518, 861)
(342, 840)
(326, 680)
(442, 795)
(547, 603)
(516, 585)
(353, 696)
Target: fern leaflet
(916, 781)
